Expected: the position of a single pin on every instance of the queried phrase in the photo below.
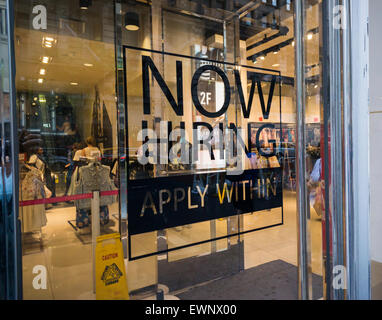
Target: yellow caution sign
(110, 274)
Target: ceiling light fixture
(88, 65)
(74, 83)
(42, 72)
(40, 80)
(262, 57)
(46, 59)
(310, 36)
(48, 42)
(85, 4)
(131, 21)
(276, 65)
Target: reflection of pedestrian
(315, 188)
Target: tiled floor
(68, 256)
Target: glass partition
(67, 123)
(183, 115)
(194, 73)
(10, 265)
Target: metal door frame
(344, 73)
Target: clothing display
(94, 177)
(86, 179)
(82, 217)
(33, 188)
(40, 163)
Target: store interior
(67, 91)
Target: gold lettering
(202, 195)
(252, 189)
(272, 187)
(225, 189)
(176, 199)
(244, 183)
(190, 206)
(148, 196)
(162, 201)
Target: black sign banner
(161, 203)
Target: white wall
(375, 113)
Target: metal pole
(337, 184)
(95, 230)
(12, 234)
(304, 275)
(348, 154)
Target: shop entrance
(192, 73)
(187, 111)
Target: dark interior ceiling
(264, 16)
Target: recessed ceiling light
(276, 65)
(42, 72)
(310, 36)
(74, 83)
(48, 42)
(40, 80)
(292, 43)
(131, 27)
(46, 59)
(262, 57)
(88, 64)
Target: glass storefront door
(185, 114)
(67, 122)
(193, 73)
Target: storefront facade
(226, 142)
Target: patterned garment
(93, 177)
(82, 217)
(33, 218)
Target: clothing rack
(96, 182)
(24, 168)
